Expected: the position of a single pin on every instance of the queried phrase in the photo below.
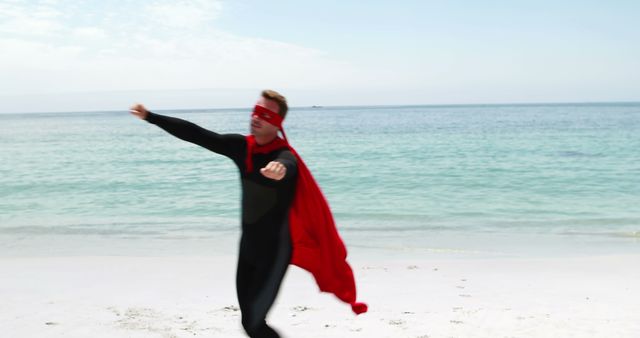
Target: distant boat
(316, 106)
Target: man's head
(262, 123)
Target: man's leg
(257, 287)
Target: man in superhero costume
(285, 218)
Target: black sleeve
(289, 161)
(230, 145)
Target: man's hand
(139, 111)
(274, 170)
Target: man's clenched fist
(274, 170)
(139, 111)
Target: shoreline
(424, 244)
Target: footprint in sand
(152, 321)
(374, 268)
(230, 310)
(144, 319)
(300, 308)
(114, 310)
(396, 322)
(190, 326)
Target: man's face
(260, 127)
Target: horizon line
(558, 103)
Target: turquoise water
(546, 169)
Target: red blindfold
(267, 115)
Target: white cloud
(183, 14)
(23, 20)
(162, 46)
(30, 27)
(90, 33)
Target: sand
(435, 295)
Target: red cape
(317, 246)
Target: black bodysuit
(265, 245)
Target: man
(281, 205)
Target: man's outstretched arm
(230, 145)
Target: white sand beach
(433, 296)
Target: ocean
(392, 174)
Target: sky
(106, 55)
